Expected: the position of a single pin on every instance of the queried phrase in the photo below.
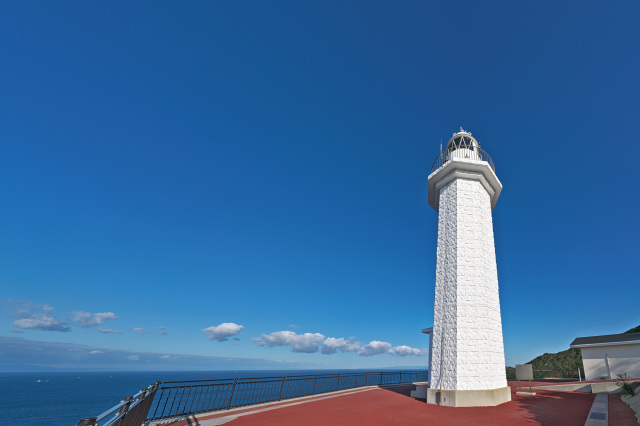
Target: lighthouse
(466, 363)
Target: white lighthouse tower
(466, 366)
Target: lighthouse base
(469, 398)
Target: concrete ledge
(604, 387)
(420, 392)
(574, 387)
(582, 387)
(469, 398)
(480, 170)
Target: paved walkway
(599, 413)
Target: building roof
(607, 340)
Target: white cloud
(331, 345)
(109, 331)
(378, 348)
(293, 326)
(96, 352)
(162, 331)
(168, 357)
(133, 357)
(222, 332)
(406, 351)
(375, 347)
(306, 343)
(309, 342)
(33, 316)
(87, 319)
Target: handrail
(462, 153)
(273, 377)
(168, 399)
(541, 374)
(245, 378)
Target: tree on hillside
(562, 364)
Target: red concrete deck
(394, 406)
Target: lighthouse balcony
(462, 152)
(463, 158)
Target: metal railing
(164, 400)
(463, 153)
(546, 374)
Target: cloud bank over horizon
(20, 354)
(34, 316)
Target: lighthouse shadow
(404, 389)
(553, 408)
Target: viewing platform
(391, 404)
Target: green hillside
(633, 330)
(560, 364)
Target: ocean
(57, 398)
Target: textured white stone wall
(468, 351)
(443, 351)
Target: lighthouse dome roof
(462, 139)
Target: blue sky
(167, 170)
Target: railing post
(145, 399)
(314, 385)
(281, 386)
(379, 383)
(233, 388)
(366, 379)
(133, 415)
(89, 421)
(357, 374)
(124, 409)
(338, 385)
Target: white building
(610, 355)
(466, 366)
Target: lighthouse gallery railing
(462, 153)
(164, 400)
